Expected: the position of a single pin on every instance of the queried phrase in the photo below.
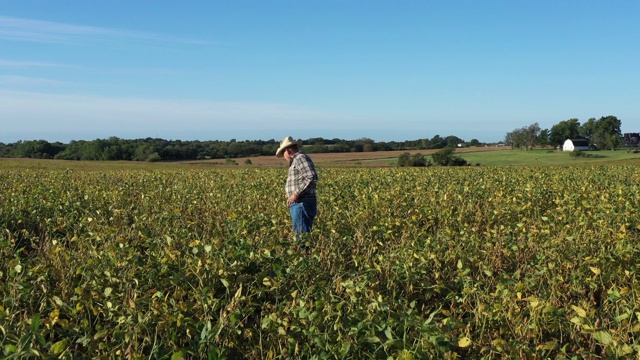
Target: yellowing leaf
(59, 346)
(580, 311)
(595, 270)
(549, 345)
(464, 342)
(624, 290)
(53, 316)
(499, 343)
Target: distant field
(484, 156)
(489, 156)
(546, 157)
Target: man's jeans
(302, 214)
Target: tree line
(155, 149)
(602, 133)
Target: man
(300, 187)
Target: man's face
(287, 155)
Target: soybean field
(406, 263)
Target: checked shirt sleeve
(302, 176)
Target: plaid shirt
(302, 177)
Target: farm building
(575, 144)
(631, 139)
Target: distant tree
(543, 137)
(437, 142)
(424, 144)
(516, 138)
(508, 140)
(4, 150)
(36, 149)
(568, 129)
(607, 133)
(364, 142)
(368, 147)
(588, 129)
(530, 134)
(453, 141)
(144, 152)
(474, 142)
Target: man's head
(288, 147)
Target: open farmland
(484, 156)
(473, 262)
(347, 159)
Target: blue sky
(247, 70)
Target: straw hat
(285, 143)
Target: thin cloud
(19, 29)
(14, 80)
(27, 64)
(30, 110)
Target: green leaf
(10, 349)
(371, 339)
(35, 322)
(602, 337)
(59, 346)
(393, 343)
(388, 333)
(177, 355)
(100, 334)
(621, 317)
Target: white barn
(575, 144)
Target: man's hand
(292, 199)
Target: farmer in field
(301, 187)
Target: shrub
(578, 153)
(445, 157)
(155, 157)
(416, 160)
